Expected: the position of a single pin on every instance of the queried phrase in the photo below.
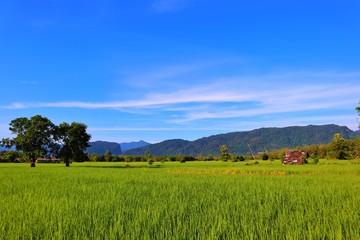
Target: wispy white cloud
(347, 120)
(343, 120)
(231, 98)
(17, 106)
(284, 100)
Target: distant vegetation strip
(338, 148)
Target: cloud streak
(231, 98)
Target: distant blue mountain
(100, 147)
(132, 145)
(261, 139)
(6, 149)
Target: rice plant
(200, 200)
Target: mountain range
(259, 140)
(131, 145)
(100, 147)
(262, 139)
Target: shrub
(264, 156)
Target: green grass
(195, 200)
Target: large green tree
(35, 137)
(73, 140)
(39, 137)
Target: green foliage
(149, 157)
(339, 148)
(73, 140)
(11, 156)
(223, 149)
(35, 137)
(39, 137)
(97, 158)
(108, 156)
(118, 158)
(313, 160)
(224, 155)
(171, 158)
(264, 156)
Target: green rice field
(192, 200)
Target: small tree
(264, 156)
(108, 156)
(339, 148)
(225, 156)
(149, 157)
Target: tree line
(338, 148)
(38, 137)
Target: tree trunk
(67, 162)
(32, 163)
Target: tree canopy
(39, 137)
(34, 137)
(73, 141)
(224, 153)
(339, 148)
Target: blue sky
(161, 69)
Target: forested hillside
(99, 147)
(263, 139)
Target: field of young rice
(193, 200)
